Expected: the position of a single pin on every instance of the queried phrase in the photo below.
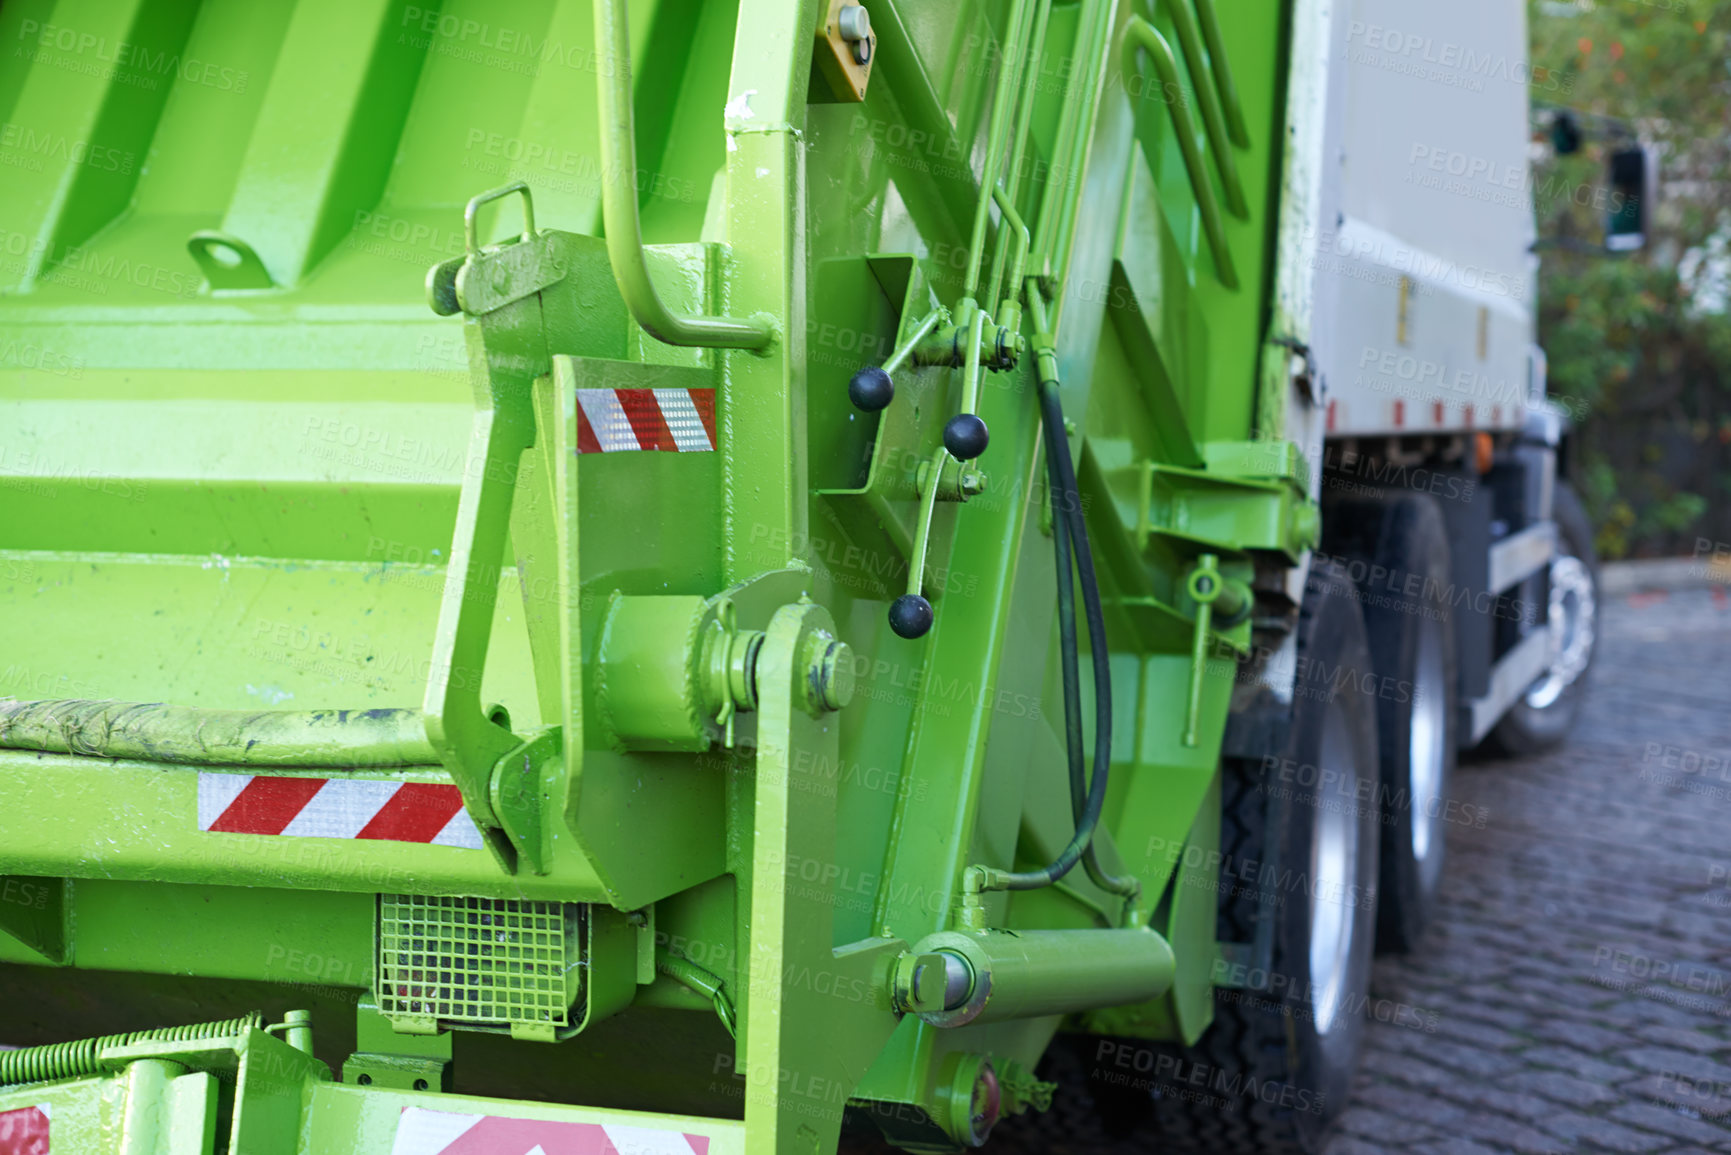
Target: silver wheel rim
(1333, 873)
(1426, 755)
(1572, 618)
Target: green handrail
(1223, 73)
(1212, 121)
(619, 205)
(1141, 34)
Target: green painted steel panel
(238, 451)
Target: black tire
(1263, 1078)
(1529, 728)
(1396, 549)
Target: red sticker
(424, 1132)
(24, 1131)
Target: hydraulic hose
(1125, 885)
(154, 732)
(1071, 532)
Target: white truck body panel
(1428, 259)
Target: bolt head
(871, 389)
(925, 988)
(910, 616)
(966, 436)
(855, 22)
(835, 680)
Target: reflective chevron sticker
(430, 812)
(623, 420)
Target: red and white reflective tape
(622, 420)
(24, 1131)
(424, 1132)
(335, 808)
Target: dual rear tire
(1354, 811)
(1396, 549)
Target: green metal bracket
(33, 911)
(385, 1057)
(468, 742)
(517, 295)
(792, 926)
(227, 261)
(518, 797)
(972, 341)
(883, 516)
(1202, 511)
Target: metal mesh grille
(476, 960)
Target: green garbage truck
(643, 576)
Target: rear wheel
(1399, 551)
(1274, 1069)
(1541, 720)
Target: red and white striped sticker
(335, 808)
(424, 1132)
(623, 420)
(24, 1131)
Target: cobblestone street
(1575, 993)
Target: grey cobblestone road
(1575, 993)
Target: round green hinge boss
(675, 672)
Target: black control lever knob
(871, 389)
(966, 436)
(910, 616)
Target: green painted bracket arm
(1141, 34)
(619, 206)
(794, 976)
(503, 289)
(468, 742)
